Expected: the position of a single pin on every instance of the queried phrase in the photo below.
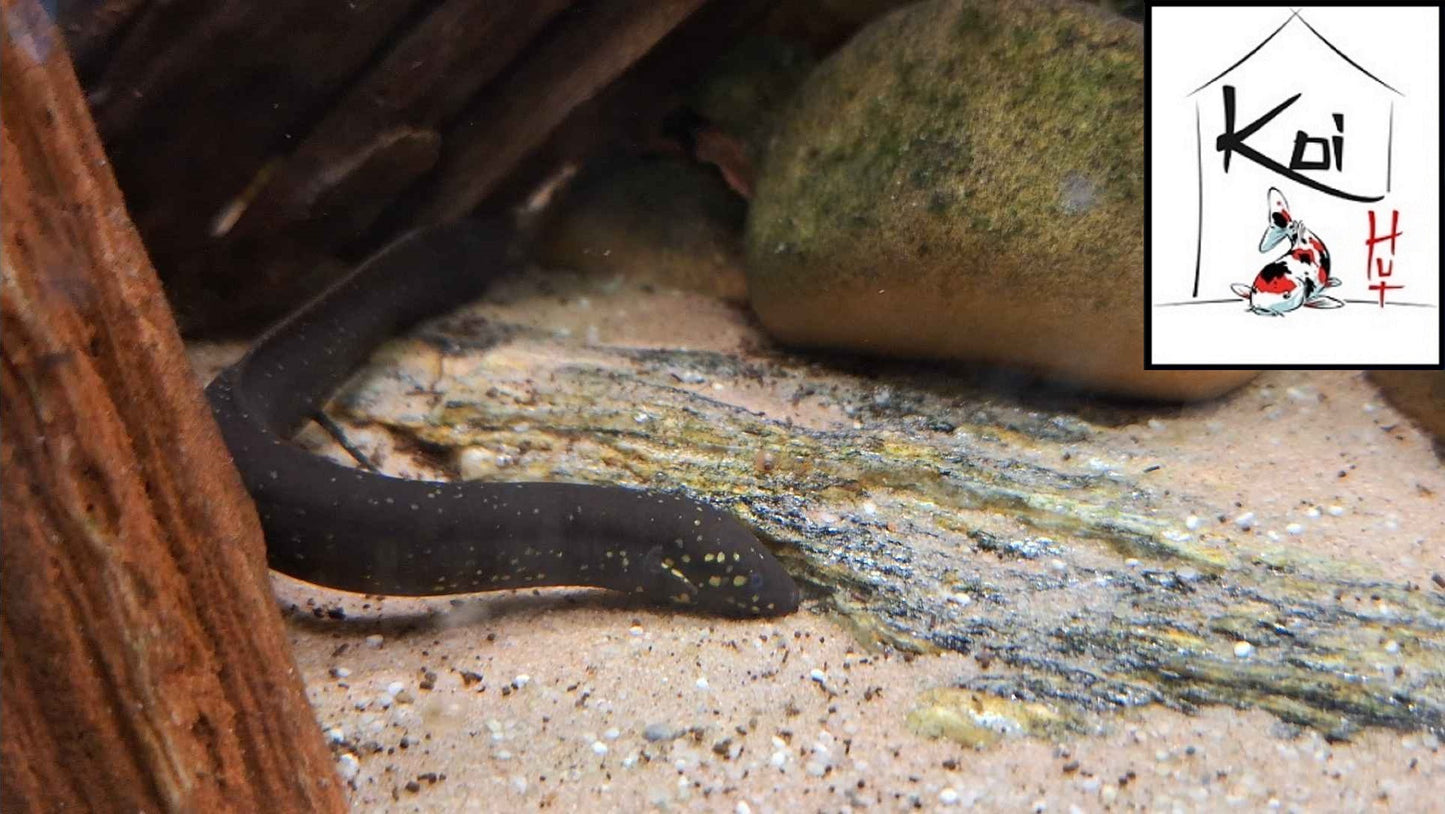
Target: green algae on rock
(929, 513)
(980, 720)
(749, 86)
(964, 179)
(656, 220)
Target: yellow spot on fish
(715, 582)
(739, 581)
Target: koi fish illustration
(1297, 278)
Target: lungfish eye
(755, 580)
(652, 561)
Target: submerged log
(257, 145)
(145, 665)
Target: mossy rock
(654, 220)
(965, 180)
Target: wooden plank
(146, 668)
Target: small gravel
(348, 766)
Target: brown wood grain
(145, 664)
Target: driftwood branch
(146, 668)
(258, 144)
(498, 130)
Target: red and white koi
(1297, 278)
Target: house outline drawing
(1335, 149)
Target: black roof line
(1293, 15)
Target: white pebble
(1192, 522)
(521, 681)
(612, 734)
(1245, 521)
(348, 766)
(1295, 528)
(375, 640)
(1392, 647)
(1156, 425)
(742, 808)
(1335, 510)
(335, 735)
(394, 687)
(636, 630)
(1272, 535)
(818, 675)
(599, 748)
(1312, 512)
(340, 672)
(948, 797)
(702, 683)
(473, 461)
(1243, 650)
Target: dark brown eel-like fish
(360, 531)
